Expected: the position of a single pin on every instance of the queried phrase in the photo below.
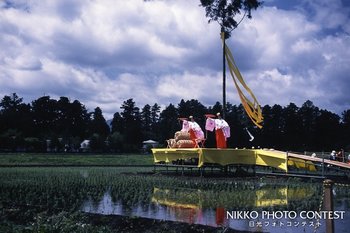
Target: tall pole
(223, 75)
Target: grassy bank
(31, 159)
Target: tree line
(48, 124)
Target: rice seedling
(34, 193)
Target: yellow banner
(251, 106)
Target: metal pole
(223, 75)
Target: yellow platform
(270, 158)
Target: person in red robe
(222, 130)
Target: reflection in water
(196, 206)
(172, 212)
(263, 197)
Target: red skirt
(220, 139)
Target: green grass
(22, 159)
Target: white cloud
(105, 52)
(287, 60)
(189, 86)
(329, 14)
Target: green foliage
(98, 124)
(131, 123)
(168, 122)
(15, 115)
(33, 144)
(97, 143)
(150, 122)
(224, 11)
(116, 142)
(66, 124)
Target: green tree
(224, 12)
(307, 115)
(292, 128)
(131, 130)
(265, 134)
(217, 108)
(15, 115)
(327, 131)
(64, 123)
(97, 143)
(10, 102)
(98, 124)
(146, 122)
(155, 111)
(15, 122)
(168, 122)
(276, 126)
(45, 116)
(116, 139)
(99, 131)
(79, 118)
(345, 125)
(116, 142)
(117, 123)
(192, 108)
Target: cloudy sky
(107, 51)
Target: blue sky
(105, 52)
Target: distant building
(147, 145)
(85, 146)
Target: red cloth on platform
(220, 139)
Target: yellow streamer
(251, 107)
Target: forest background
(50, 125)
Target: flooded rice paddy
(194, 200)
